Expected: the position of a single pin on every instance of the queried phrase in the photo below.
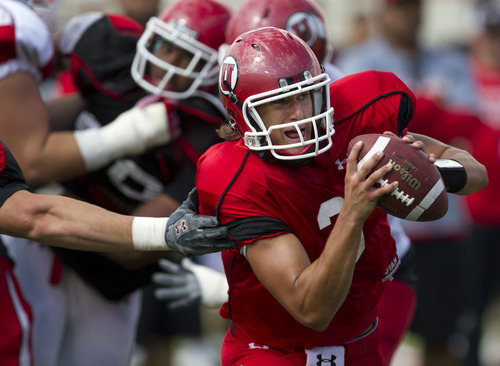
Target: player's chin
(294, 151)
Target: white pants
(73, 325)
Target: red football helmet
(195, 26)
(301, 17)
(268, 65)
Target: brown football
(421, 194)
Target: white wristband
(131, 133)
(148, 233)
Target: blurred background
(445, 21)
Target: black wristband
(453, 174)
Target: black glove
(190, 233)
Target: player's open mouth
(294, 136)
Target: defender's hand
(190, 233)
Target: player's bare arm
(64, 110)
(475, 174)
(65, 222)
(58, 156)
(25, 128)
(313, 292)
(61, 221)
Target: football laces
(399, 195)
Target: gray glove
(178, 286)
(190, 233)
(187, 283)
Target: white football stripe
(379, 145)
(427, 201)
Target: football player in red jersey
(314, 253)
(305, 18)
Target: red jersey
(259, 199)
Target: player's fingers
(205, 221)
(216, 233)
(390, 133)
(169, 266)
(366, 165)
(408, 139)
(352, 159)
(379, 174)
(169, 280)
(184, 302)
(192, 198)
(169, 294)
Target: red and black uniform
(15, 337)
(258, 199)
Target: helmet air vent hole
(256, 46)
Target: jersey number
(330, 209)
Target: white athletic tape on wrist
(131, 133)
(213, 284)
(148, 233)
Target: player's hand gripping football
(360, 194)
(413, 142)
(190, 233)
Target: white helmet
(195, 26)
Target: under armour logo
(180, 227)
(254, 345)
(326, 361)
(340, 164)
